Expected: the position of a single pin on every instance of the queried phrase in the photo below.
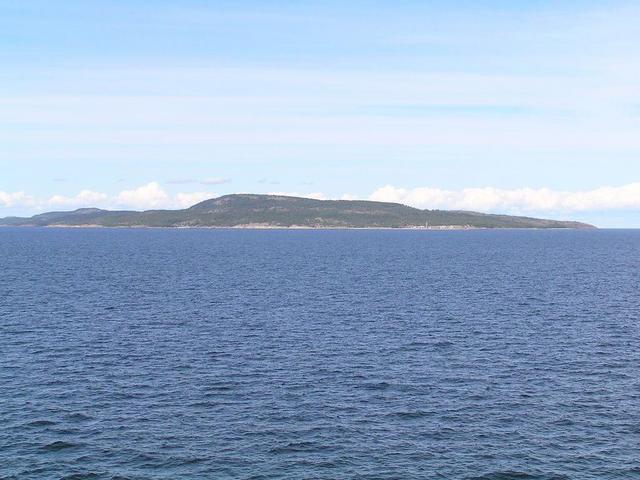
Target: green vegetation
(248, 210)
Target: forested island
(278, 211)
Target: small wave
(79, 417)
(294, 447)
(204, 404)
(223, 387)
(416, 345)
(504, 476)
(376, 386)
(40, 423)
(513, 475)
(410, 415)
(58, 445)
(563, 422)
(81, 476)
(193, 460)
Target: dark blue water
(215, 354)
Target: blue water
(215, 354)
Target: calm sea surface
(215, 354)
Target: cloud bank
(145, 197)
(17, 199)
(524, 200)
(490, 199)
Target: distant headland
(278, 211)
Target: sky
(528, 107)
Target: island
(279, 211)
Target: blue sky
(528, 107)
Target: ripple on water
(514, 475)
(40, 423)
(58, 445)
(167, 354)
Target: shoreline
(447, 228)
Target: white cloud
(489, 199)
(516, 200)
(82, 199)
(151, 196)
(186, 200)
(147, 196)
(17, 199)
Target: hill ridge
(282, 211)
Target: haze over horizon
(528, 108)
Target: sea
(157, 354)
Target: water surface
(215, 354)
